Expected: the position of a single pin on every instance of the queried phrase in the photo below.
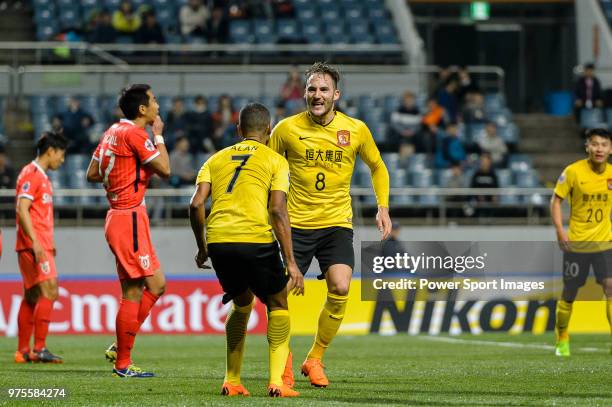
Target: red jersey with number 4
(34, 185)
(121, 155)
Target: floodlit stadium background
(524, 57)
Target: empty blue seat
(591, 118)
(416, 162)
(362, 38)
(494, 101)
(354, 12)
(287, 29)
(519, 162)
(240, 32)
(399, 179)
(331, 14)
(306, 13)
(509, 133)
(526, 179)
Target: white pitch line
(501, 344)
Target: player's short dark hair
(50, 139)
(325, 69)
(597, 132)
(132, 97)
(254, 118)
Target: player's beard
(328, 106)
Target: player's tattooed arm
(279, 218)
(197, 217)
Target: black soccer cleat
(44, 356)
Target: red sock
(42, 318)
(147, 302)
(126, 327)
(25, 324)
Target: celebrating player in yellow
(588, 183)
(321, 145)
(241, 179)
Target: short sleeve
(280, 178)
(96, 154)
(204, 174)
(277, 142)
(565, 183)
(144, 148)
(29, 187)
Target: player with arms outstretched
(587, 184)
(124, 161)
(36, 249)
(321, 146)
(243, 181)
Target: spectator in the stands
(445, 74)
(126, 20)
(484, 177)
(217, 27)
(493, 145)
(467, 84)
(225, 119)
(405, 122)
(280, 112)
(588, 92)
(7, 176)
(474, 108)
(450, 150)
(283, 8)
(236, 9)
(193, 18)
(456, 180)
(199, 127)
(433, 119)
(181, 164)
(103, 31)
(150, 32)
(293, 88)
(175, 122)
(447, 98)
(75, 124)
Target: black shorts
(576, 267)
(248, 266)
(329, 246)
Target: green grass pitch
(480, 370)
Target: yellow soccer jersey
(241, 178)
(321, 162)
(590, 200)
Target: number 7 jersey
(122, 154)
(590, 200)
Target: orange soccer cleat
(281, 391)
(313, 368)
(229, 389)
(288, 378)
(23, 357)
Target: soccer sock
(609, 312)
(147, 302)
(42, 318)
(25, 324)
(564, 313)
(126, 327)
(235, 332)
(278, 343)
(329, 321)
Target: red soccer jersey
(33, 184)
(121, 155)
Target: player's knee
(339, 288)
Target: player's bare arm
(279, 218)
(25, 223)
(160, 164)
(197, 217)
(557, 219)
(93, 171)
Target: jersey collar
(127, 121)
(39, 167)
(319, 124)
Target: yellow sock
(609, 312)
(329, 321)
(235, 332)
(564, 313)
(278, 342)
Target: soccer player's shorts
(129, 238)
(248, 266)
(576, 267)
(333, 245)
(34, 273)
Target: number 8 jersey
(590, 200)
(122, 154)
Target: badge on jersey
(149, 145)
(144, 261)
(26, 186)
(561, 179)
(344, 138)
(45, 268)
(609, 184)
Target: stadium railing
(431, 206)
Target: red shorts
(128, 236)
(34, 273)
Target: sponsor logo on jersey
(344, 138)
(149, 145)
(144, 261)
(47, 198)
